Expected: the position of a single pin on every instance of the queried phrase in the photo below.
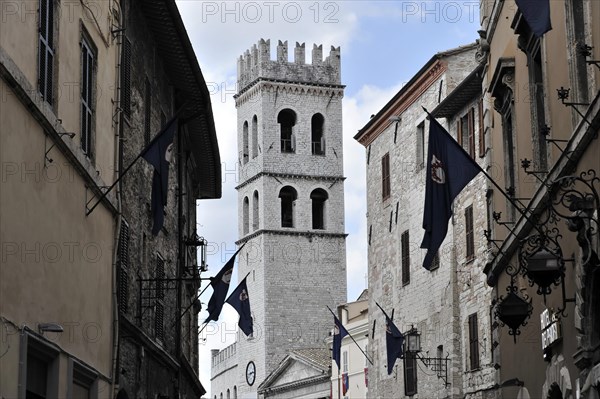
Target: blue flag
(394, 341)
(241, 303)
(159, 153)
(220, 284)
(537, 15)
(449, 170)
(339, 332)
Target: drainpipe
(117, 123)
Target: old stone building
(58, 100)
(444, 304)
(542, 128)
(159, 274)
(91, 303)
(291, 206)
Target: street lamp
(513, 311)
(544, 269)
(412, 341)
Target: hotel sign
(551, 331)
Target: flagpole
(386, 315)
(237, 286)
(350, 335)
(512, 202)
(87, 213)
(192, 303)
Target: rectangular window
(473, 342)
(123, 259)
(470, 239)
(88, 82)
(466, 133)
(38, 374)
(420, 145)
(481, 129)
(46, 50)
(385, 177)
(147, 111)
(83, 382)
(345, 361)
(410, 374)
(405, 258)
(160, 294)
(126, 77)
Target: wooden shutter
(405, 258)
(123, 259)
(473, 342)
(471, 122)
(410, 374)
(470, 240)
(385, 177)
(126, 77)
(481, 129)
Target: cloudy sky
(383, 44)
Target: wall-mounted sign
(551, 331)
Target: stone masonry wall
(429, 301)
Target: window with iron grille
(126, 77)
(385, 177)
(470, 253)
(46, 50)
(123, 258)
(88, 83)
(405, 258)
(147, 110)
(473, 342)
(410, 374)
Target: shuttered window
(147, 110)
(160, 294)
(405, 258)
(473, 342)
(481, 129)
(88, 83)
(46, 50)
(470, 239)
(410, 374)
(126, 77)
(385, 177)
(123, 258)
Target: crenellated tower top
(257, 63)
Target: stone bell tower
(290, 202)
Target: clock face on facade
(250, 373)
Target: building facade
(159, 274)
(91, 303)
(352, 379)
(291, 204)
(57, 150)
(443, 304)
(543, 127)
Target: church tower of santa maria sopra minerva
(290, 203)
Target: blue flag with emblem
(394, 342)
(449, 170)
(220, 284)
(241, 303)
(537, 15)
(159, 153)
(339, 332)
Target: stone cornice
(264, 84)
(290, 176)
(291, 232)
